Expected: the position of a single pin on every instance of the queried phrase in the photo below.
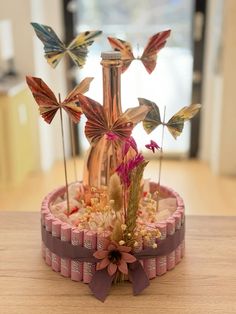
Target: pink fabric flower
(114, 257)
(152, 146)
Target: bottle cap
(111, 55)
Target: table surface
(204, 282)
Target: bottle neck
(111, 89)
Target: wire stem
(72, 139)
(161, 150)
(64, 158)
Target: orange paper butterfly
(97, 124)
(149, 56)
(48, 104)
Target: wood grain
(204, 282)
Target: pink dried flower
(152, 146)
(123, 173)
(129, 143)
(125, 168)
(134, 162)
(114, 257)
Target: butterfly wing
(73, 111)
(124, 125)
(136, 114)
(176, 124)
(69, 104)
(81, 88)
(152, 119)
(122, 128)
(154, 45)
(44, 97)
(96, 125)
(78, 48)
(125, 49)
(54, 49)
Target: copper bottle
(104, 156)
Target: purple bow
(101, 282)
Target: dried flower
(125, 168)
(121, 242)
(135, 244)
(152, 146)
(114, 257)
(123, 227)
(129, 143)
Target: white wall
(29, 60)
(20, 17)
(50, 13)
(218, 132)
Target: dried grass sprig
(117, 233)
(133, 203)
(115, 192)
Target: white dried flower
(123, 227)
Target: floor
(203, 192)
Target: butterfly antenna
(64, 157)
(161, 150)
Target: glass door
(170, 85)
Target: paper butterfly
(48, 104)
(97, 124)
(175, 125)
(149, 56)
(55, 49)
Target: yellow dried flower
(143, 232)
(147, 238)
(121, 242)
(135, 244)
(154, 245)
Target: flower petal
(128, 258)
(100, 254)
(123, 267)
(112, 247)
(103, 264)
(112, 268)
(123, 248)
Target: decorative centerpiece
(114, 225)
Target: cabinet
(19, 139)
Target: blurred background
(196, 66)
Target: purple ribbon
(102, 281)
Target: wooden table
(204, 282)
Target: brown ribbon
(101, 281)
